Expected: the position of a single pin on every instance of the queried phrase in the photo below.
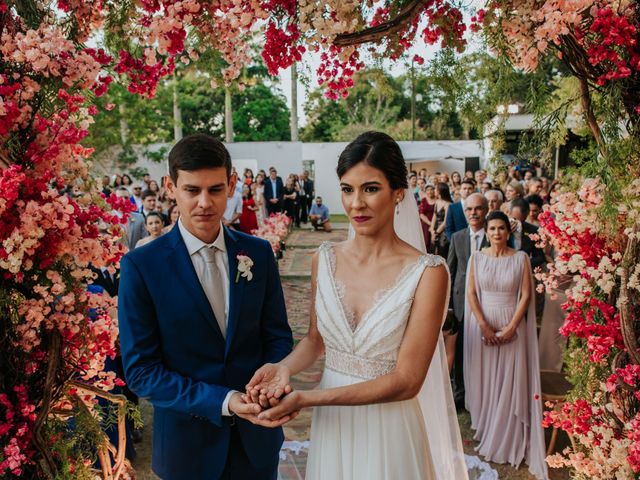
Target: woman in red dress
(248, 218)
(426, 208)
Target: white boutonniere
(244, 268)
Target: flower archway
(54, 223)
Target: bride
(379, 304)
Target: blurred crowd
(255, 198)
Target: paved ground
(295, 270)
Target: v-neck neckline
(339, 288)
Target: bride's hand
(268, 384)
(289, 407)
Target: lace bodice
(367, 348)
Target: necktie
(474, 242)
(213, 284)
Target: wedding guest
(463, 244)
(535, 208)
(248, 219)
(444, 178)
(544, 192)
(248, 176)
(173, 214)
(422, 183)
(423, 173)
(231, 216)
(273, 192)
(136, 197)
(145, 183)
(522, 232)
(135, 228)
(426, 210)
(106, 185)
(127, 182)
(289, 200)
(494, 199)
(149, 200)
(153, 223)
(456, 220)
(413, 187)
(319, 216)
(513, 190)
(478, 177)
(502, 375)
(468, 175)
(534, 186)
(439, 239)
(154, 187)
(257, 190)
(116, 181)
(309, 189)
(456, 181)
(485, 187)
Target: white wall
(287, 157)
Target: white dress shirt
(234, 205)
(477, 237)
(194, 244)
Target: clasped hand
(269, 399)
(490, 336)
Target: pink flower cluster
(274, 230)
(18, 418)
(590, 252)
(604, 32)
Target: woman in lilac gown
(502, 381)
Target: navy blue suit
(175, 355)
(455, 220)
(268, 195)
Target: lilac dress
(502, 383)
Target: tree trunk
(177, 113)
(228, 116)
(294, 103)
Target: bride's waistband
(356, 366)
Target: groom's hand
(269, 384)
(241, 405)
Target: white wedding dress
(384, 441)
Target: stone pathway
(295, 269)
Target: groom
(200, 310)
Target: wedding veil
(435, 397)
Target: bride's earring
(397, 207)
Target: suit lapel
(184, 270)
(236, 289)
(466, 245)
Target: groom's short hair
(198, 151)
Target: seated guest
(521, 230)
(319, 216)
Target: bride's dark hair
(378, 150)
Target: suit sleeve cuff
(225, 404)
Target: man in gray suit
(135, 228)
(463, 243)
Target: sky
(311, 61)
